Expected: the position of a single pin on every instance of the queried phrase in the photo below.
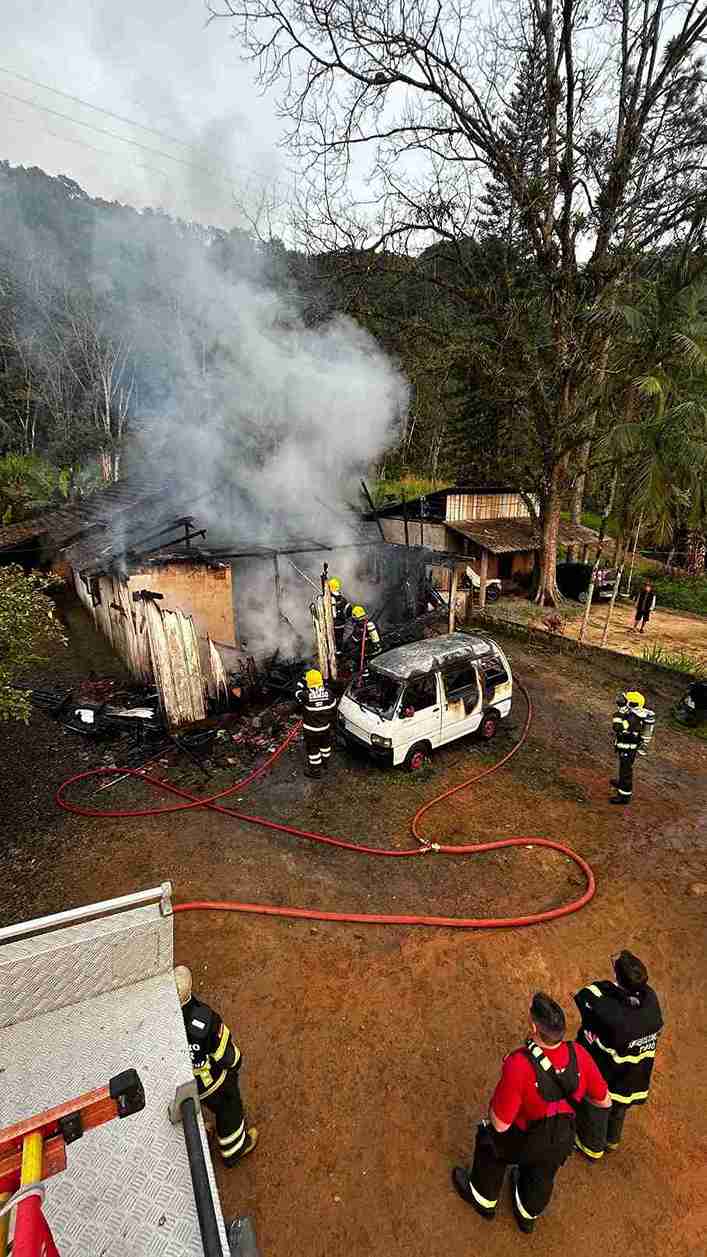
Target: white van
(425, 694)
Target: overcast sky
(154, 61)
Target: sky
(155, 62)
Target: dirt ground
(370, 1052)
(674, 630)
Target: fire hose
(425, 845)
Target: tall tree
(426, 89)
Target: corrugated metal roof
(507, 536)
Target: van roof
(417, 658)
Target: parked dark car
(574, 579)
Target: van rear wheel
(488, 727)
(418, 757)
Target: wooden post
(585, 552)
(633, 556)
(610, 611)
(590, 596)
(453, 598)
(405, 518)
(483, 577)
(375, 512)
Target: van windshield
(378, 693)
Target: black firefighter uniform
(318, 707)
(216, 1060)
(627, 739)
(620, 1031)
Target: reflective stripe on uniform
(481, 1200)
(530, 1217)
(316, 728)
(594, 989)
(626, 794)
(635, 1095)
(587, 1151)
(234, 1140)
(214, 1086)
(625, 746)
(623, 1060)
(222, 1044)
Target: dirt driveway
(674, 630)
(370, 1052)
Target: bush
(686, 593)
(27, 623)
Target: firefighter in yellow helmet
(627, 726)
(216, 1060)
(341, 610)
(318, 707)
(364, 642)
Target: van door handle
(434, 709)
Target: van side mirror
(407, 712)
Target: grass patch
(695, 731)
(676, 660)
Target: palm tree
(660, 442)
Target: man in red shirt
(531, 1123)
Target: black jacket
(627, 730)
(318, 707)
(645, 603)
(620, 1031)
(213, 1051)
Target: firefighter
(531, 1120)
(341, 610)
(621, 1022)
(364, 638)
(216, 1060)
(627, 739)
(318, 707)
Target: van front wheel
(418, 757)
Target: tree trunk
(547, 593)
(577, 498)
(696, 550)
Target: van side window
(461, 680)
(420, 693)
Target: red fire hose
(361, 918)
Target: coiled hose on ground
(425, 846)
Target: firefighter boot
(462, 1186)
(621, 800)
(313, 771)
(251, 1139)
(526, 1225)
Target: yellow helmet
(313, 679)
(635, 699)
(359, 613)
(335, 584)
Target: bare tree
(398, 113)
(100, 362)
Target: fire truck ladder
(34, 1150)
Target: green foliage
(29, 483)
(676, 660)
(392, 490)
(27, 624)
(688, 593)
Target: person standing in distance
(216, 1060)
(621, 1022)
(531, 1121)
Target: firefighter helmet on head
(631, 698)
(313, 679)
(359, 613)
(335, 584)
(183, 980)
